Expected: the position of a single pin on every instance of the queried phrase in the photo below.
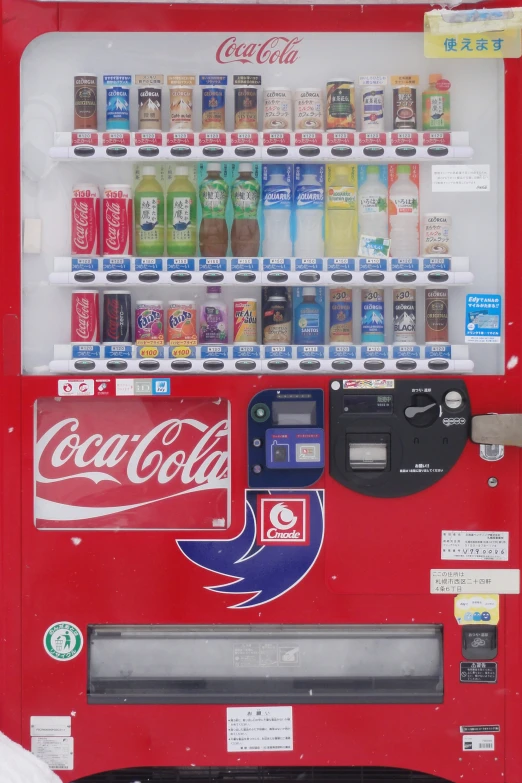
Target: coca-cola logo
(276, 50)
(83, 318)
(105, 461)
(115, 225)
(114, 318)
(83, 224)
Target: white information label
(50, 726)
(460, 179)
(475, 580)
(124, 387)
(259, 728)
(57, 752)
(474, 545)
(478, 742)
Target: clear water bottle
(277, 211)
(309, 211)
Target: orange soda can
(245, 321)
(181, 323)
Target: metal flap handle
(497, 429)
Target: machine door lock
(497, 429)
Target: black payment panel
(391, 438)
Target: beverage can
(436, 234)
(245, 108)
(372, 315)
(277, 108)
(341, 315)
(245, 321)
(404, 315)
(340, 104)
(213, 108)
(85, 101)
(404, 107)
(149, 108)
(85, 317)
(118, 108)
(181, 322)
(308, 107)
(181, 108)
(85, 220)
(277, 318)
(436, 315)
(372, 100)
(117, 317)
(149, 322)
(117, 220)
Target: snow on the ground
(17, 765)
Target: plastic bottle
(373, 205)
(404, 196)
(213, 230)
(181, 215)
(149, 215)
(309, 320)
(245, 200)
(309, 212)
(277, 210)
(213, 318)
(436, 105)
(341, 212)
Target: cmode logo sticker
(261, 564)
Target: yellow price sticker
(180, 351)
(149, 352)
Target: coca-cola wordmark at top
(278, 50)
(133, 464)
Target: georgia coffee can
(85, 220)
(436, 315)
(372, 315)
(404, 315)
(117, 220)
(149, 108)
(117, 317)
(85, 317)
(340, 104)
(277, 109)
(85, 101)
(245, 108)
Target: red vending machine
(261, 296)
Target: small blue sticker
(276, 263)
(86, 351)
(148, 265)
(342, 352)
(374, 352)
(483, 318)
(183, 264)
(245, 264)
(401, 264)
(437, 352)
(212, 265)
(246, 352)
(214, 351)
(305, 264)
(406, 352)
(345, 264)
(161, 386)
(84, 264)
(310, 352)
(121, 264)
(278, 351)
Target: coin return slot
(368, 452)
(180, 151)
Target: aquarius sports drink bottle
(341, 212)
(149, 215)
(277, 210)
(181, 215)
(404, 217)
(213, 195)
(309, 211)
(245, 200)
(373, 205)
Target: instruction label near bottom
(259, 729)
(57, 752)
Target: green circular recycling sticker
(63, 641)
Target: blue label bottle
(309, 320)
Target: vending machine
(261, 391)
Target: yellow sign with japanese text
(485, 45)
(477, 609)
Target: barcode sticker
(478, 742)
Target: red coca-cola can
(85, 317)
(85, 224)
(117, 220)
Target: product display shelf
(327, 147)
(143, 272)
(265, 359)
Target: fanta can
(181, 322)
